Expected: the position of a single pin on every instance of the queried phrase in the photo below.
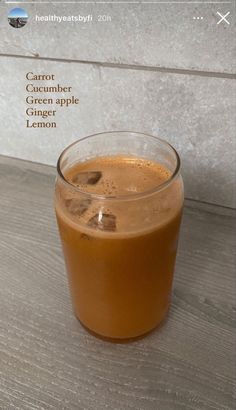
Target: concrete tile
(195, 114)
(158, 35)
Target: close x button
(223, 17)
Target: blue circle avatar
(17, 17)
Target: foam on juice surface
(115, 176)
(120, 175)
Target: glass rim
(130, 196)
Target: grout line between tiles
(127, 66)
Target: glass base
(123, 340)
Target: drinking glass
(120, 280)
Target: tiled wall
(153, 68)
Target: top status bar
(118, 2)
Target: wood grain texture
(49, 362)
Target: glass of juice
(118, 200)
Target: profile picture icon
(17, 17)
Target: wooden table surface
(48, 361)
